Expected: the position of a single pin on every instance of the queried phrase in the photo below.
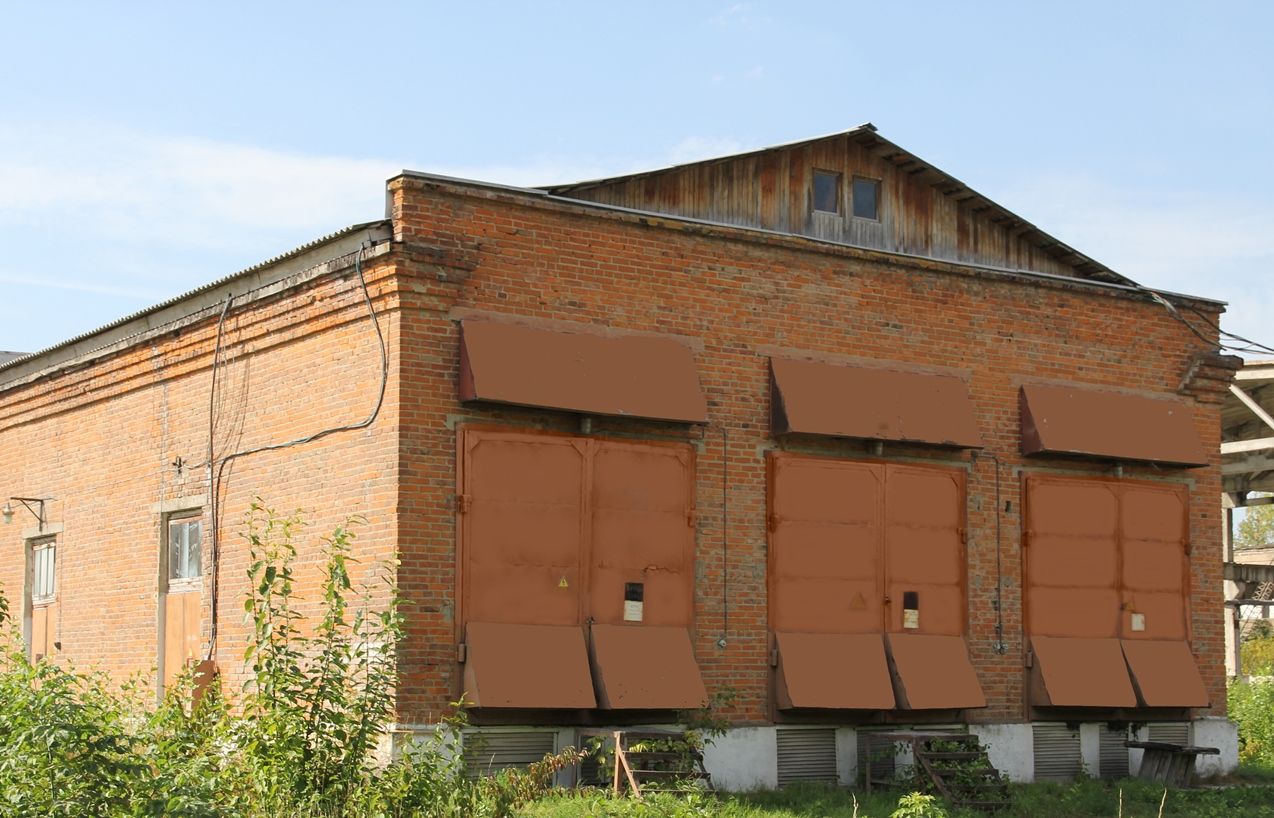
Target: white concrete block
(1090, 748)
(1214, 731)
(745, 758)
(1010, 748)
(847, 756)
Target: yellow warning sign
(858, 603)
(563, 583)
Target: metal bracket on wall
(27, 503)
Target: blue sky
(147, 148)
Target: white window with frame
(43, 572)
(184, 550)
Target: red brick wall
(738, 297)
(102, 440)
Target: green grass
(1251, 797)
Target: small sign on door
(634, 600)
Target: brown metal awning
(815, 398)
(646, 667)
(1075, 421)
(1081, 673)
(1165, 673)
(527, 666)
(833, 670)
(639, 376)
(934, 672)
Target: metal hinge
(772, 522)
(463, 503)
(964, 536)
(691, 517)
(774, 658)
(462, 652)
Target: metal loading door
(826, 567)
(523, 515)
(642, 534)
(560, 531)
(869, 548)
(1106, 587)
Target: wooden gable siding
(774, 190)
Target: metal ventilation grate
(1114, 753)
(1057, 756)
(807, 755)
(883, 754)
(489, 751)
(1174, 732)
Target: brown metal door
(827, 574)
(924, 522)
(523, 528)
(1155, 591)
(43, 631)
(642, 542)
(182, 623)
(1072, 566)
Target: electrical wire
(217, 469)
(725, 536)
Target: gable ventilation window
(807, 755)
(826, 191)
(866, 199)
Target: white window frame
(36, 548)
(172, 583)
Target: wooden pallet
(1167, 763)
(956, 766)
(649, 770)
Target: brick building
(816, 425)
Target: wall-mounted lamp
(35, 505)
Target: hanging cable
(725, 537)
(217, 469)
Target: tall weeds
(302, 738)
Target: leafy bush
(1251, 706)
(301, 740)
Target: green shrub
(302, 739)
(1251, 706)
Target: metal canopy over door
(558, 531)
(867, 549)
(1106, 590)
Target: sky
(148, 148)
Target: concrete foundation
(746, 758)
(1214, 731)
(1010, 748)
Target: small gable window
(826, 191)
(866, 194)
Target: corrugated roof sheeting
(212, 285)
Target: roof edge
(163, 314)
(549, 196)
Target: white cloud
(81, 286)
(1193, 242)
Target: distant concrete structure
(1247, 478)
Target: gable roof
(867, 137)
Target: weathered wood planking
(922, 211)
